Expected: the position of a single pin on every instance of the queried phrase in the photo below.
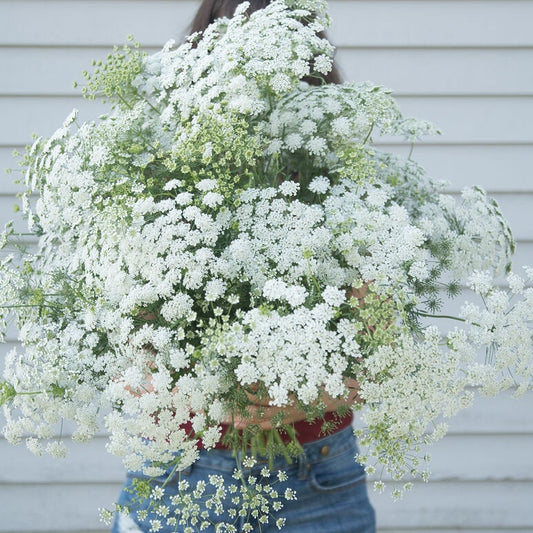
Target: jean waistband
(327, 447)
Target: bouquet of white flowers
(230, 237)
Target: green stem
(171, 474)
(429, 315)
(34, 393)
(149, 103)
(124, 101)
(369, 133)
(312, 276)
(27, 305)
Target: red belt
(305, 431)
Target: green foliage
(7, 392)
(140, 488)
(222, 149)
(57, 391)
(113, 78)
(358, 164)
(265, 444)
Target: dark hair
(210, 10)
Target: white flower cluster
(237, 63)
(250, 497)
(294, 355)
(503, 324)
(229, 228)
(320, 120)
(481, 238)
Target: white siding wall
(464, 64)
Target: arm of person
(263, 415)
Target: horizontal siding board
(51, 71)
(7, 179)
(394, 529)
(431, 23)
(55, 508)
(47, 71)
(504, 168)
(504, 458)
(523, 255)
(461, 119)
(87, 462)
(23, 117)
(356, 23)
(501, 505)
(497, 168)
(7, 212)
(473, 119)
(441, 71)
(104, 22)
(518, 210)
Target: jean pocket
(336, 474)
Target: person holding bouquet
(330, 486)
(229, 269)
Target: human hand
(267, 416)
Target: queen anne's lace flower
(229, 232)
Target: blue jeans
(330, 490)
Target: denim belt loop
(238, 461)
(303, 466)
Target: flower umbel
(229, 240)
